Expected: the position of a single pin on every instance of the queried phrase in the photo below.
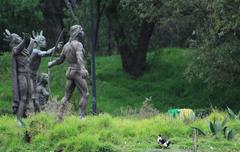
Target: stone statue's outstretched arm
(49, 52)
(45, 53)
(60, 60)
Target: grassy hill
(105, 133)
(124, 128)
(164, 81)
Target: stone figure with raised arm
(35, 60)
(21, 81)
(76, 74)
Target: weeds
(105, 133)
(147, 110)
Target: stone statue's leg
(23, 91)
(83, 89)
(68, 94)
(34, 86)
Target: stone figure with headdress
(35, 60)
(21, 50)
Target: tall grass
(105, 133)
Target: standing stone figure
(35, 61)
(76, 74)
(20, 72)
(42, 93)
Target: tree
(216, 62)
(134, 22)
(19, 16)
(132, 35)
(53, 19)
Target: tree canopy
(132, 27)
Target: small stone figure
(42, 93)
(35, 61)
(76, 74)
(20, 72)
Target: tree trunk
(99, 12)
(134, 59)
(142, 47)
(53, 19)
(124, 49)
(109, 49)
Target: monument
(76, 74)
(35, 61)
(21, 81)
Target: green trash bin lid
(173, 112)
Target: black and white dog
(163, 143)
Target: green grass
(105, 133)
(164, 80)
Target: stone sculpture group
(31, 87)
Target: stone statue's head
(76, 32)
(39, 39)
(43, 80)
(13, 38)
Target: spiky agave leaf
(199, 131)
(231, 113)
(212, 127)
(225, 131)
(224, 122)
(218, 126)
(230, 135)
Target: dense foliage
(19, 16)
(127, 26)
(216, 59)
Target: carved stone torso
(69, 50)
(23, 62)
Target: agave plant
(216, 126)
